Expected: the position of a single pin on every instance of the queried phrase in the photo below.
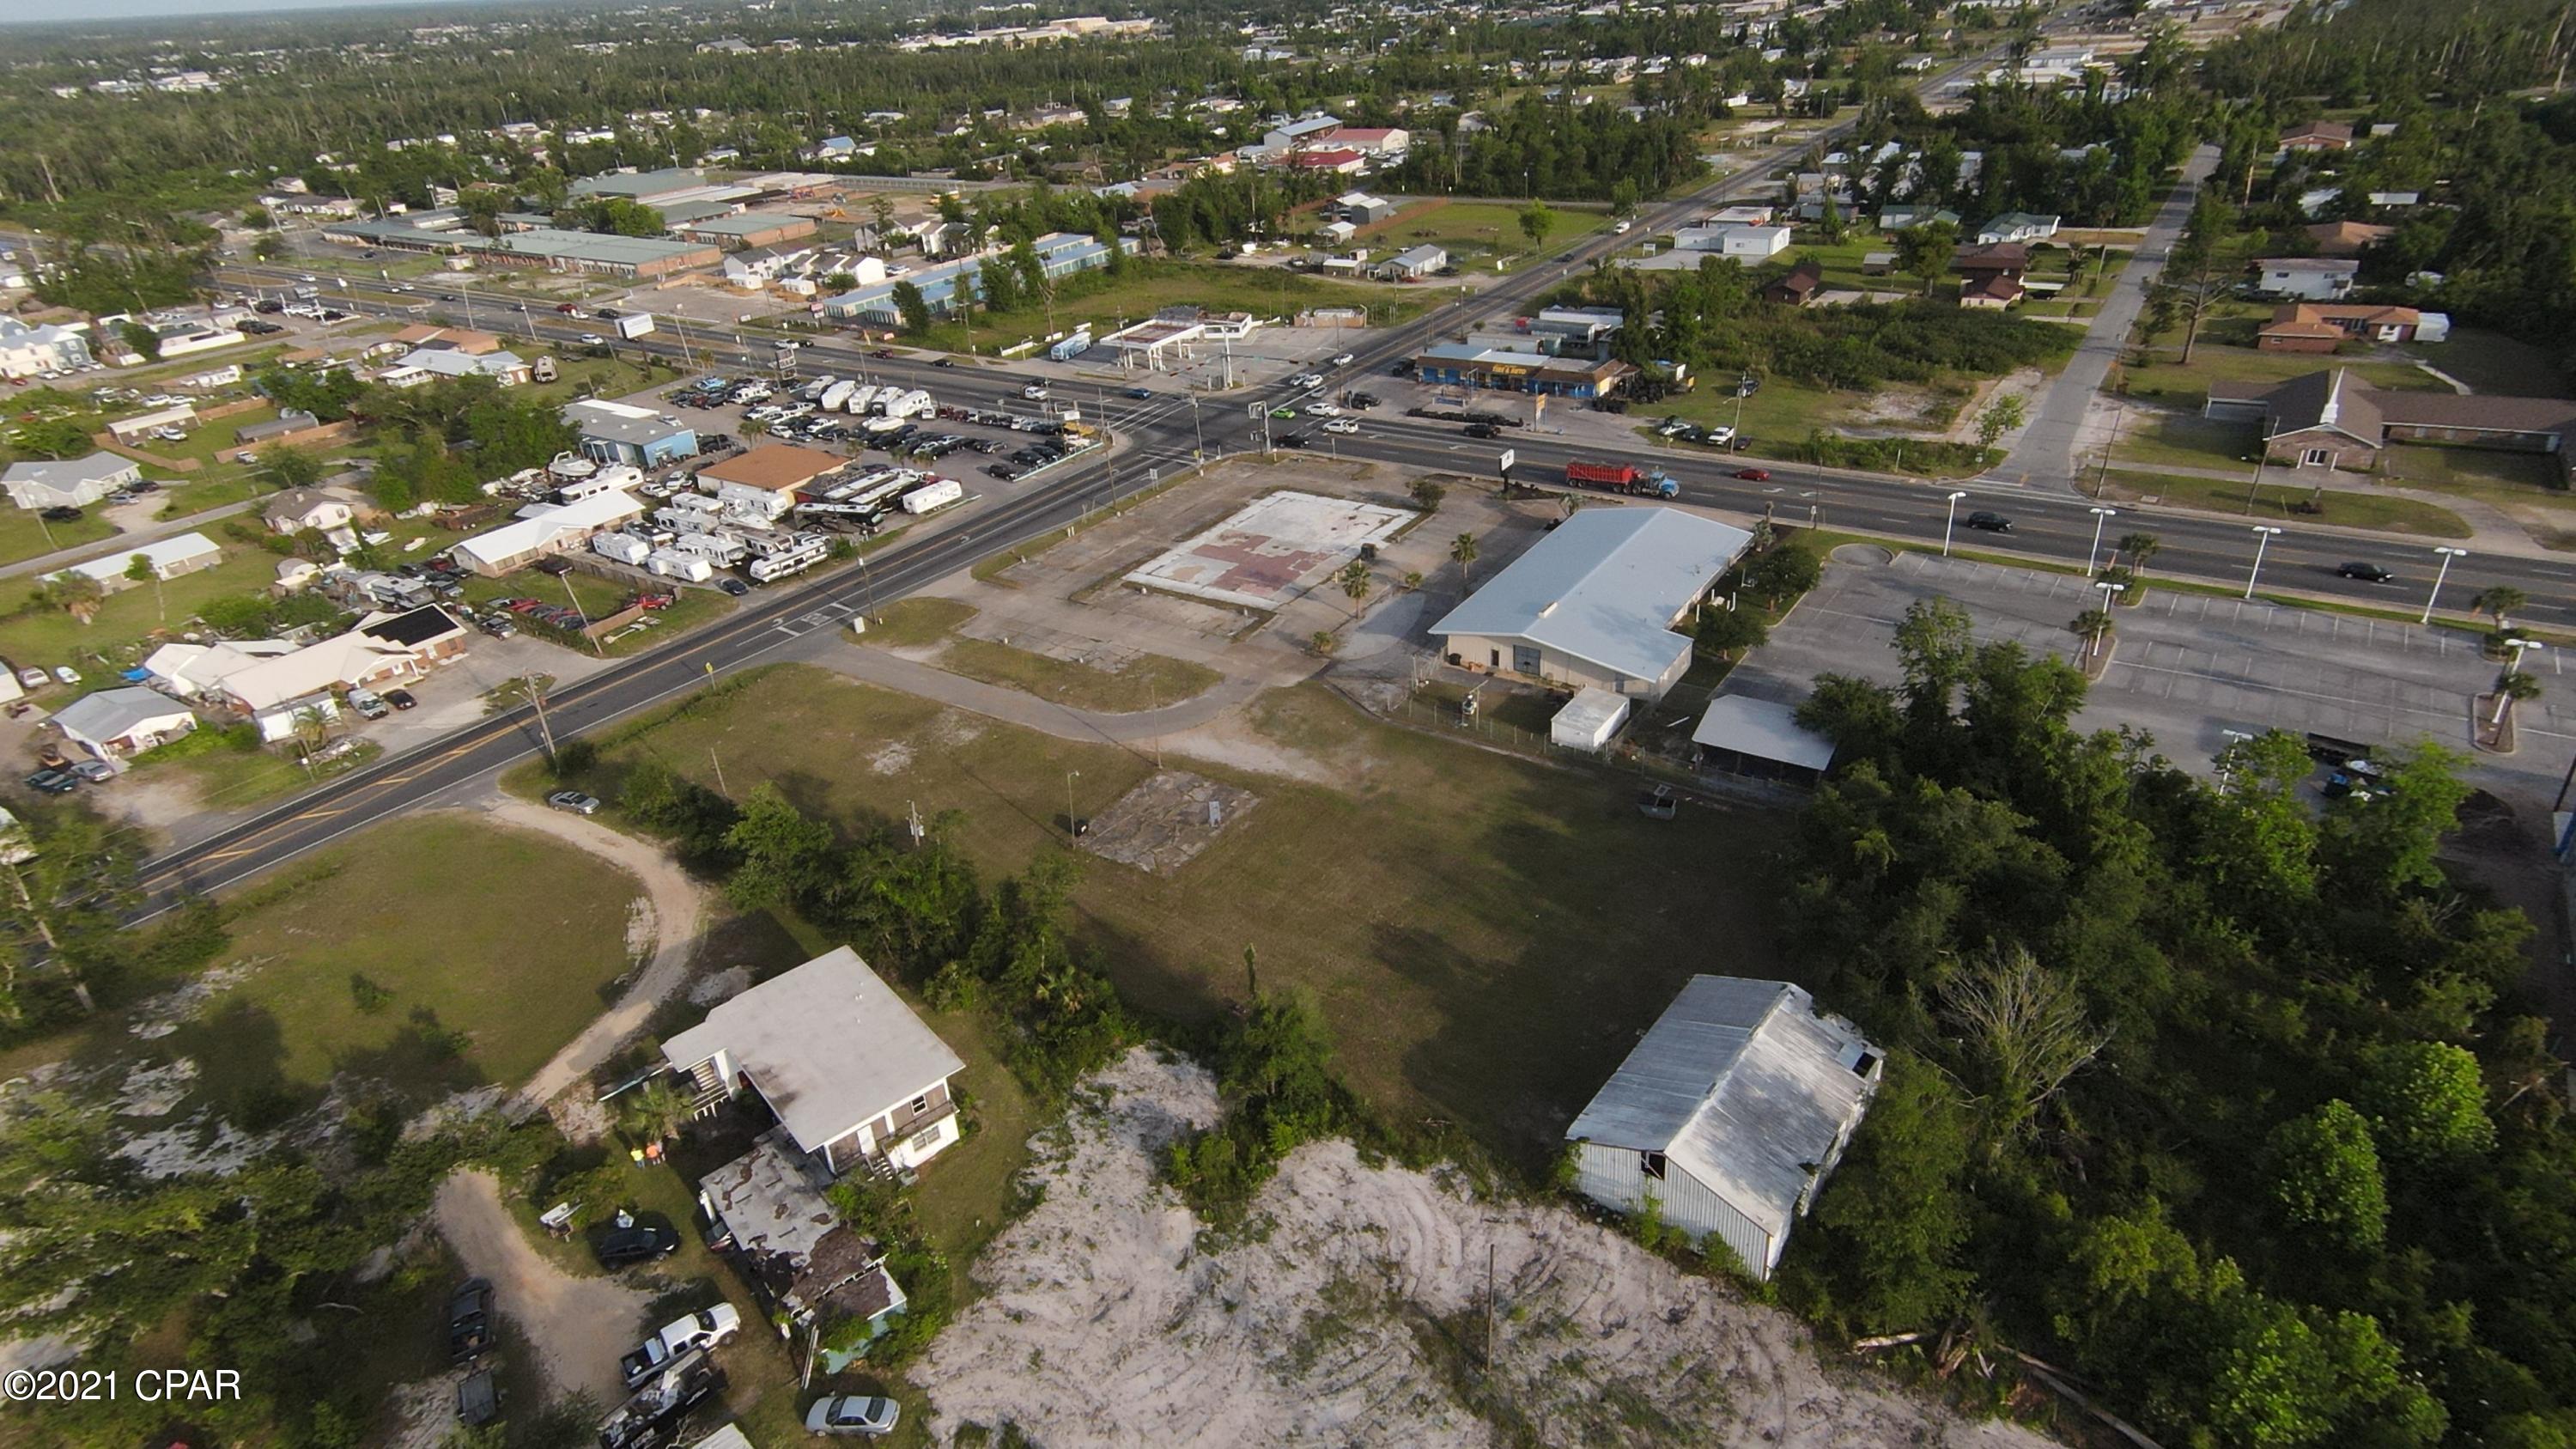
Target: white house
(1730, 1113)
(116, 722)
(34, 349)
(2018, 226)
(1594, 602)
(854, 1077)
(298, 509)
(68, 482)
(2307, 279)
(168, 558)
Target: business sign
(1504, 465)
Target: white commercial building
(1595, 600)
(168, 558)
(542, 529)
(1730, 1113)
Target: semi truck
(634, 325)
(1621, 478)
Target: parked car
(400, 699)
(1754, 475)
(1989, 522)
(96, 772)
(735, 587)
(705, 1328)
(2368, 573)
(1002, 471)
(34, 678)
(64, 673)
(642, 1243)
(867, 1415)
(61, 513)
(369, 704)
(472, 1326)
(54, 782)
(574, 801)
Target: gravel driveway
(576, 1327)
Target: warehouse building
(1061, 253)
(1594, 602)
(1461, 365)
(613, 432)
(736, 232)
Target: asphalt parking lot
(2188, 667)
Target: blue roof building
(1062, 253)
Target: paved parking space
(2189, 667)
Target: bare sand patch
(1353, 1311)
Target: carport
(1756, 737)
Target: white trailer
(861, 398)
(835, 396)
(672, 563)
(815, 389)
(913, 404)
(937, 493)
(688, 520)
(810, 551)
(573, 490)
(721, 549)
(626, 548)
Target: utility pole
(537, 696)
(721, 787)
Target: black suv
(641, 1243)
(2368, 573)
(1990, 522)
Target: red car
(566, 308)
(1754, 475)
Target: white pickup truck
(703, 1329)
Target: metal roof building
(1594, 602)
(1729, 1113)
(1761, 737)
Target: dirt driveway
(576, 1327)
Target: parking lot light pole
(2504, 701)
(2110, 595)
(2093, 554)
(1950, 523)
(2448, 553)
(2262, 535)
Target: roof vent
(1550, 609)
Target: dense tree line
(1553, 149)
(2219, 1103)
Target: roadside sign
(1504, 464)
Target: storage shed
(1745, 736)
(1589, 721)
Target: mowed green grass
(43, 635)
(2167, 381)
(1144, 682)
(1487, 936)
(24, 535)
(2345, 507)
(510, 939)
(1471, 231)
(1147, 287)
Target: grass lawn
(1781, 415)
(598, 598)
(1486, 935)
(2183, 441)
(208, 437)
(1146, 287)
(491, 948)
(214, 487)
(1147, 681)
(2167, 381)
(24, 535)
(49, 636)
(2492, 362)
(2344, 507)
(1476, 232)
(917, 622)
(228, 778)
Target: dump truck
(1621, 478)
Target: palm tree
(2139, 547)
(657, 1111)
(1463, 549)
(2497, 600)
(2092, 626)
(2513, 687)
(1354, 579)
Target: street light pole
(2106, 589)
(2094, 554)
(1071, 832)
(2448, 553)
(2504, 701)
(1949, 523)
(2262, 535)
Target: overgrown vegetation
(2222, 1104)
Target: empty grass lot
(24, 535)
(917, 623)
(1475, 232)
(1144, 682)
(1487, 936)
(39, 634)
(1146, 287)
(490, 949)
(2167, 381)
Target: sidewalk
(97, 548)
